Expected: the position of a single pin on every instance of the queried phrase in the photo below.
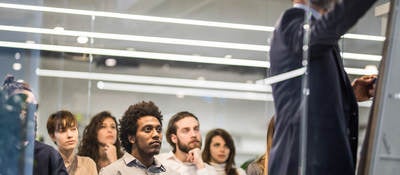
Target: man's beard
(187, 148)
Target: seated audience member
(141, 137)
(219, 151)
(260, 165)
(62, 128)
(100, 140)
(46, 160)
(183, 134)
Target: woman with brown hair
(62, 128)
(100, 140)
(260, 165)
(219, 152)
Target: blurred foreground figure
(332, 109)
(47, 160)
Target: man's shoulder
(291, 15)
(112, 168)
(164, 156)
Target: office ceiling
(251, 12)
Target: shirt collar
(314, 13)
(130, 161)
(171, 155)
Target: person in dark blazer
(332, 109)
(46, 160)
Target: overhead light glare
(138, 54)
(154, 80)
(17, 66)
(110, 62)
(138, 17)
(83, 38)
(364, 37)
(166, 20)
(180, 92)
(58, 28)
(239, 46)
(358, 56)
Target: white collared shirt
(314, 12)
(128, 164)
(184, 168)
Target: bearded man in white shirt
(183, 134)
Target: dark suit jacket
(332, 107)
(47, 161)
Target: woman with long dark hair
(219, 151)
(100, 140)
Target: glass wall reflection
(207, 57)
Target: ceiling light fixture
(175, 86)
(181, 91)
(166, 20)
(137, 54)
(83, 38)
(358, 56)
(154, 80)
(138, 17)
(240, 46)
(356, 71)
(17, 66)
(150, 55)
(364, 37)
(110, 62)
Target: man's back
(332, 107)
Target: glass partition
(207, 57)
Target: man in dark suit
(332, 109)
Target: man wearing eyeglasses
(47, 160)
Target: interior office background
(208, 57)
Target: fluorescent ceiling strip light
(227, 45)
(193, 92)
(364, 57)
(167, 20)
(138, 17)
(175, 82)
(357, 71)
(154, 80)
(364, 37)
(179, 91)
(155, 56)
(137, 54)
